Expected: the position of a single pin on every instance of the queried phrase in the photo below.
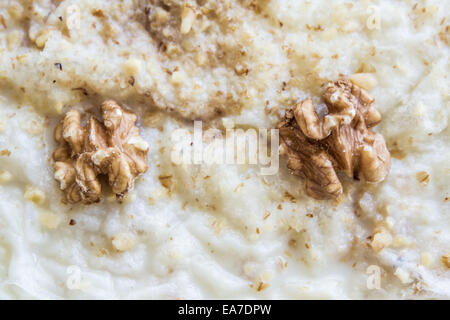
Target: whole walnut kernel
(113, 148)
(342, 141)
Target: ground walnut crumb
(262, 286)
(5, 153)
(317, 148)
(113, 148)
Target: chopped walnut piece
(113, 148)
(307, 159)
(423, 177)
(446, 260)
(342, 141)
(126, 158)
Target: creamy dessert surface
(223, 231)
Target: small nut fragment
(426, 259)
(113, 148)
(5, 176)
(423, 177)
(42, 38)
(187, 19)
(161, 15)
(262, 286)
(446, 260)
(402, 241)
(166, 181)
(178, 77)
(50, 219)
(5, 153)
(317, 148)
(132, 66)
(403, 275)
(124, 241)
(34, 194)
(381, 240)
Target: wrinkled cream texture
(223, 231)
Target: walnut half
(342, 141)
(113, 148)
